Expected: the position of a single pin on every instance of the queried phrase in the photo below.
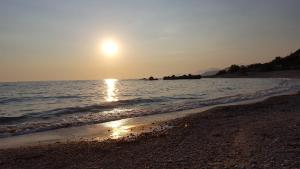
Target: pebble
(239, 167)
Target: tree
(233, 69)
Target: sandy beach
(259, 135)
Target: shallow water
(28, 107)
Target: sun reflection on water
(118, 129)
(111, 90)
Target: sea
(28, 107)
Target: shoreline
(117, 129)
(292, 74)
(254, 135)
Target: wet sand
(258, 135)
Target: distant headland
(189, 76)
(173, 77)
(288, 66)
(279, 67)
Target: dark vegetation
(189, 76)
(291, 62)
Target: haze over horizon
(61, 40)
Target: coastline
(118, 129)
(293, 74)
(255, 135)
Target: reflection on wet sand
(119, 128)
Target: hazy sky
(59, 39)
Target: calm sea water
(28, 107)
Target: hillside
(288, 63)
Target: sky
(60, 39)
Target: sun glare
(111, 90)
(110, 47)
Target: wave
(4, 120)
(72, 110)
(6, 100)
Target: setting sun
(110, 47)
